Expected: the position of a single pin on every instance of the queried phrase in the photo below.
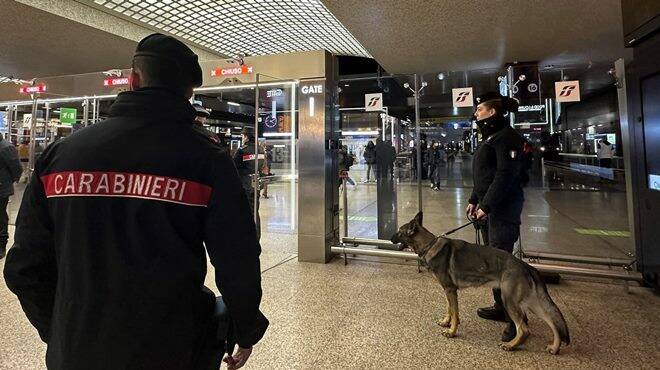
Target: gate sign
(373, 102)
(567, 91)
(68, 116)
(462, 97)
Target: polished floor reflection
(374, 315)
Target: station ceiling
(248, 27)
(37, 44)
(421, 36)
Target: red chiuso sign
(126, 185)
(121, 81)
(32, 89)
(232, 71)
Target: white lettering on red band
(127, 185)
(252, 157)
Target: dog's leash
(458, 228)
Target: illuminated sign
(232, 71)
(274, 93)
(116, 81)
(531, 108)
(312, 89)
(32, 89)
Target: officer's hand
(238, 359)
(471, 210)
(481, 214)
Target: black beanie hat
(171, 50)
(508, 104)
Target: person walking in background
(345, 161)
(10, 172)
(24, 157)
(431, 160)
(605, 153)
(370, 159)
(265, 170)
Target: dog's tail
(550, 311)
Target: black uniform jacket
(245, 159)
(497, 166)
(109, 260)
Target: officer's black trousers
(502, 231)
(4, 221)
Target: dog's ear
(419, 217)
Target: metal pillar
(33, 128)
(344, 201)
(85, 120)
(419, 146)
(255, 183)
(628, 145)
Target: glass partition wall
(48, 117)
(575, 201)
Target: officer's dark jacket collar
(154, 103)
(491, 125)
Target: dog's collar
(428, 246)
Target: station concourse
(317, 81)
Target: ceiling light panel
(252, 27)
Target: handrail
(577, 155)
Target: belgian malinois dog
(458, 264)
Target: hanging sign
(32, 89)
(68, 116)
(373, 102)
(567, 91)
(231, 71)
(462, 97)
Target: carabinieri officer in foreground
(111, 239)
(497, 195)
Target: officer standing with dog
(246, 160)
(497, 198)
(109, 259)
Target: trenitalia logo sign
(462, 97)
(567, 91)
(232, 71)
(373, 102)
(32, 89)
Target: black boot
(495, 312)
(3, 251)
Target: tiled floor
(370, 315)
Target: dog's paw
(506, 347)
(552, 350)
(444, 323)
(448, 333)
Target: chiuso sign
(232, 71)
(32, 89)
